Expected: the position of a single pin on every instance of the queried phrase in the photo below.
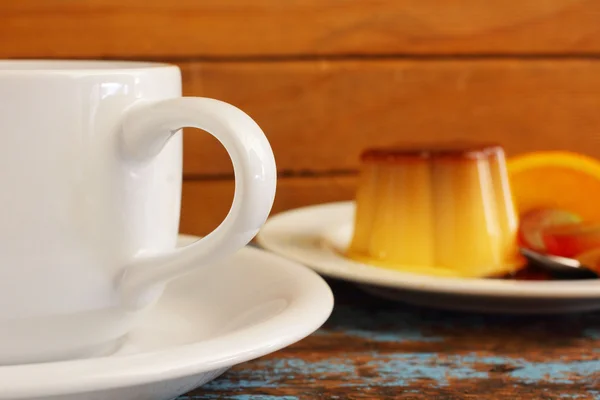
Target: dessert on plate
(441, 210)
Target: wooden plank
(206, 203)
(217, 28)
(320, 115)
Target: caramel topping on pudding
(448, 150)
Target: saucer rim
(304, 315)
(316, 220)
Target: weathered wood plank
(374, 349)
(206, 203)
(320, 115)
(189, 28)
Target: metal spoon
(558, 265)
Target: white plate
(250, 305)
(316, 235)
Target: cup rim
(78, 66)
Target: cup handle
(146, 128)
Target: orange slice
(556, 180)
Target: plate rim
(278, 230)
(113, 372)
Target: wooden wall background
(325, 78)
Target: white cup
(90, 171)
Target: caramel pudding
(444, 210)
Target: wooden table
(373, 349)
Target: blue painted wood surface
(373, 349)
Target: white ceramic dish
(252, 304)
(316, 236)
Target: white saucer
(250, 305)
(315, 235)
